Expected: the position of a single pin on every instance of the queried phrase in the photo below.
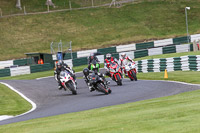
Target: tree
(18, 4)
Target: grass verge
(176, 114)
(182, 76)
(11, 103)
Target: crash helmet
(92, 56)
(123, 55)
(86, 71)
(59, 64)
(108, 56)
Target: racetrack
(51, 101)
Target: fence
(36, 7)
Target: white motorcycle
(131, 70)
(68, 82)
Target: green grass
(97, 28)
(176, 114)
(183, 76)
(11, 103)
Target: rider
(61, 66)
(86, 71)
(91, 58)
(124, 61)
(109, 59)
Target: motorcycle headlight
(112, 70)
(117, 69)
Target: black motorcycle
(96, 80)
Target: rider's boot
(60, 87)
(91, 88)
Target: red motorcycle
(116, 73)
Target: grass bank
(11, 103)
(176, 114)
(97, 28)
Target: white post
(70, 5)
(24, 10)
(187, 8)
(1, 13)
(92, 3)
(47, 8)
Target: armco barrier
(80, 61)
(183, 63)
(180, 40)
(161, 43)
(67, 56)
(140, 53)
(155, 51)
(85, 53)
(40, 68)
(182, 48)
(4, 72)
(123, 48)
(144, 45)
(20, 70)
(169, 49)
(104, 51)
(7, 63)
(195, 37)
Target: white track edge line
(34, 106)
(174, 82)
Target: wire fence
(28, 8)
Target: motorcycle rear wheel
(101, 88)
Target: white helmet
(108, 56)
(123, 55)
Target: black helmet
(59, 64)
(86, 71)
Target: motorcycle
(116, 73)
(98, 84)
(131, 70)
(68, 82)
(96, 81)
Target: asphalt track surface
(50, 101)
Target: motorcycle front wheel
(133, 74)
(72, 88)
(119, 81)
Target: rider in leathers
(90, 59)
(109, 59)
(124, 61)
(61, 66)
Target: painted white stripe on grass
(23, 96)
